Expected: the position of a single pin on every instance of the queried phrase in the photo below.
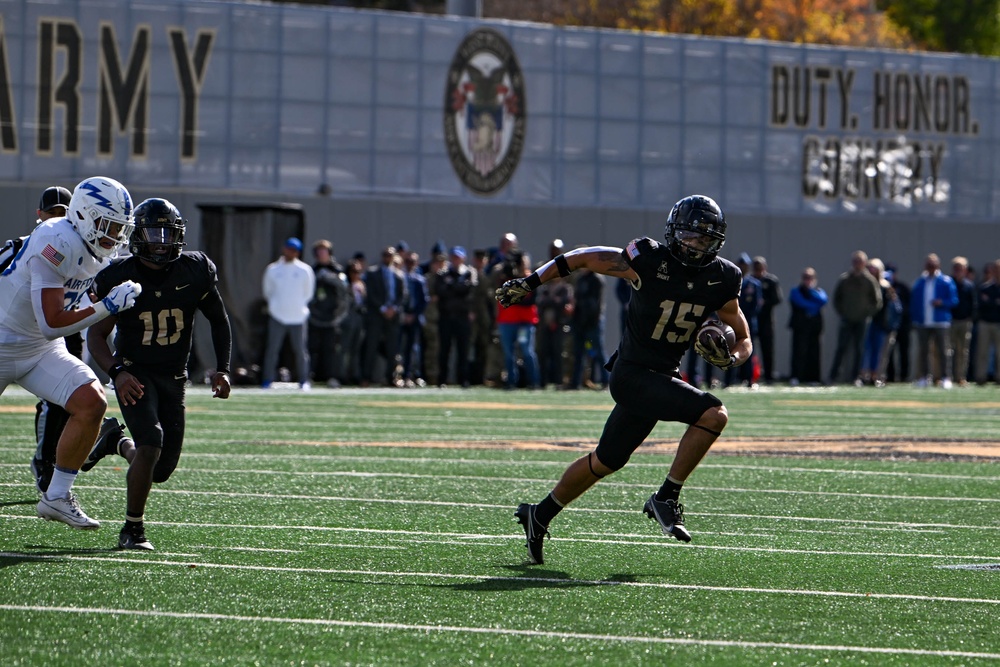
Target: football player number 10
(160, 327)
(681, 317)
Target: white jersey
(54, 255)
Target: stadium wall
(389, 127)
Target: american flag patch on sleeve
(632, 249)
(53, 255)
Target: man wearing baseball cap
(289, 285)
(54, 203)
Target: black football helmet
(159, 232)
(696, 230)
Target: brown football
(716, 330)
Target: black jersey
(157, 331)
(670, 302)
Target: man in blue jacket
(933, 296)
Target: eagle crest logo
(484, 120)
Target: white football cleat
(66, 510)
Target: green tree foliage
(961, 26)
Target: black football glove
(716, 352)
(512, 291)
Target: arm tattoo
(614, 261)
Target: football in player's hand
(712, 331)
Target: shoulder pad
(61, 249)
(639, 246)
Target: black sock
(547, 510)
(671, 490)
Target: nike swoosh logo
(180, 287)
(717, 282)
(180, 377)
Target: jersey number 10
(161, 326)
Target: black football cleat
(43, 474)
(533, 531)
(108, 438)
(670, 515)
(134, 538)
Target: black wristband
(563, 266)
(534, 281)
(115, 370)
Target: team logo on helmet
(484, 119)
(100, 199)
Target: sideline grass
(319, 529)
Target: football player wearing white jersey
(39, 292)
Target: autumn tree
(838, 22)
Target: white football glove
(716, 352)
(122, 297)
(512, 291)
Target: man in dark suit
(899, 362)
(387, 294)
(413, 321)
(771, 291)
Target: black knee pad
(623, 433)
(160, 475)
(164, 469)
(614, 458)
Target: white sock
(62, 482)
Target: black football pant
(157, 419)
(642, 398)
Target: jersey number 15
(680, 318)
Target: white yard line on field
(131, 562)
(506, 463)
(608, 484)
(410, 627)
(688, 487)
(295, 496)
(590, 538)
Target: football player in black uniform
(153, 344)
(675, 288)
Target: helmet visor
(158, 235)
(694, 241)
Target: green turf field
(375, 527)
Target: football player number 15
(158, 329)
(681, 318)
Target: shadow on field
(528, 577)
(14, 503)
(37, 553)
